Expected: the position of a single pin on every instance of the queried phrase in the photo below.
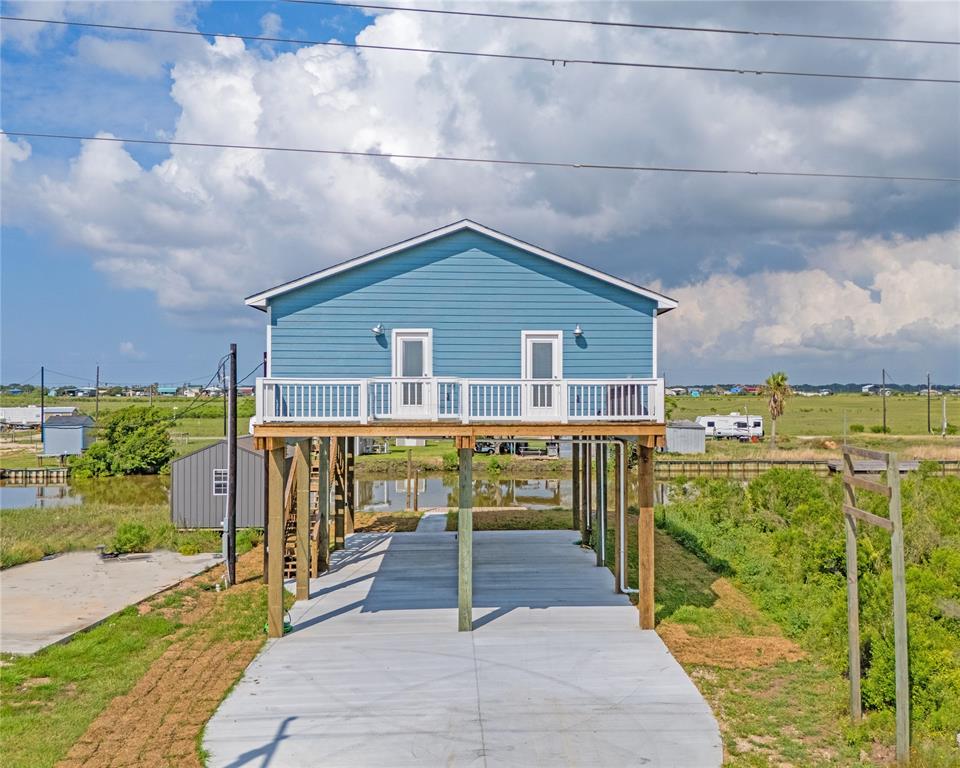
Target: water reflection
(109, 490)
(443, 491)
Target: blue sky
(138, 258)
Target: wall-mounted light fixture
(377, 330)
(578, 331)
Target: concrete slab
(433, 521)
(48, 601)
(556, 672)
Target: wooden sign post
(894, 524)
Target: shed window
(758, 424)
(710, 424)
(219, 482)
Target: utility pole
(883, 397)
(928, 403)
(232, 472)
(151, 395)
(43, 394)
(943, 417)
(97, 395)
(223, 381)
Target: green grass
(781, 540)
(906, 414)
(50, 698)
(516, 520)
(30, 534)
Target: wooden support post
(350, 505)
(901, 664)
(301, 465)
(587, 495)
(645, 534)
(407, 505)
(576, 486)
(465, 537)
(321, 560)
(339, 495)
(276, 465)
(618, 514)
(853, 595)
(416, 490)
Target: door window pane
(412, 358)
(541, 363)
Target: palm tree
(777, 390)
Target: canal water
(151, 489)
(433, 490)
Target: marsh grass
(31, 534)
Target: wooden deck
(555, 673)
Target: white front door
(412, 362)
(542, 367)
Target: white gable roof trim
(259, 300)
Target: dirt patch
(371, 522)
(728, 652)
(32, 682)
(160, 720)
(763, 646)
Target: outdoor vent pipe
(621, 445)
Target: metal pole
(928, 403)
(943, 418)
(883, 397)
(97, 411)
(232, 471)
(266, 498)
(43, 394)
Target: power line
(552, 60)
(630, 25)
(486, 160)
(258, 367)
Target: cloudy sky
(138, 257)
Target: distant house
(198, 486)
(685, 436)
(694, 393)
(167, 391)
(190, 391)
(245, 391)
(869, 389)
(67, 435)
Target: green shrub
(880, 429)
(857, 427)
(247, 539)
(451, 462)
(132, 441)
(131, 537)
(782, 538)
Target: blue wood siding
(477, 294)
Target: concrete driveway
(556, 672)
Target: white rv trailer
(735, 425)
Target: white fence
(465, 400)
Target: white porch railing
(465, 400)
